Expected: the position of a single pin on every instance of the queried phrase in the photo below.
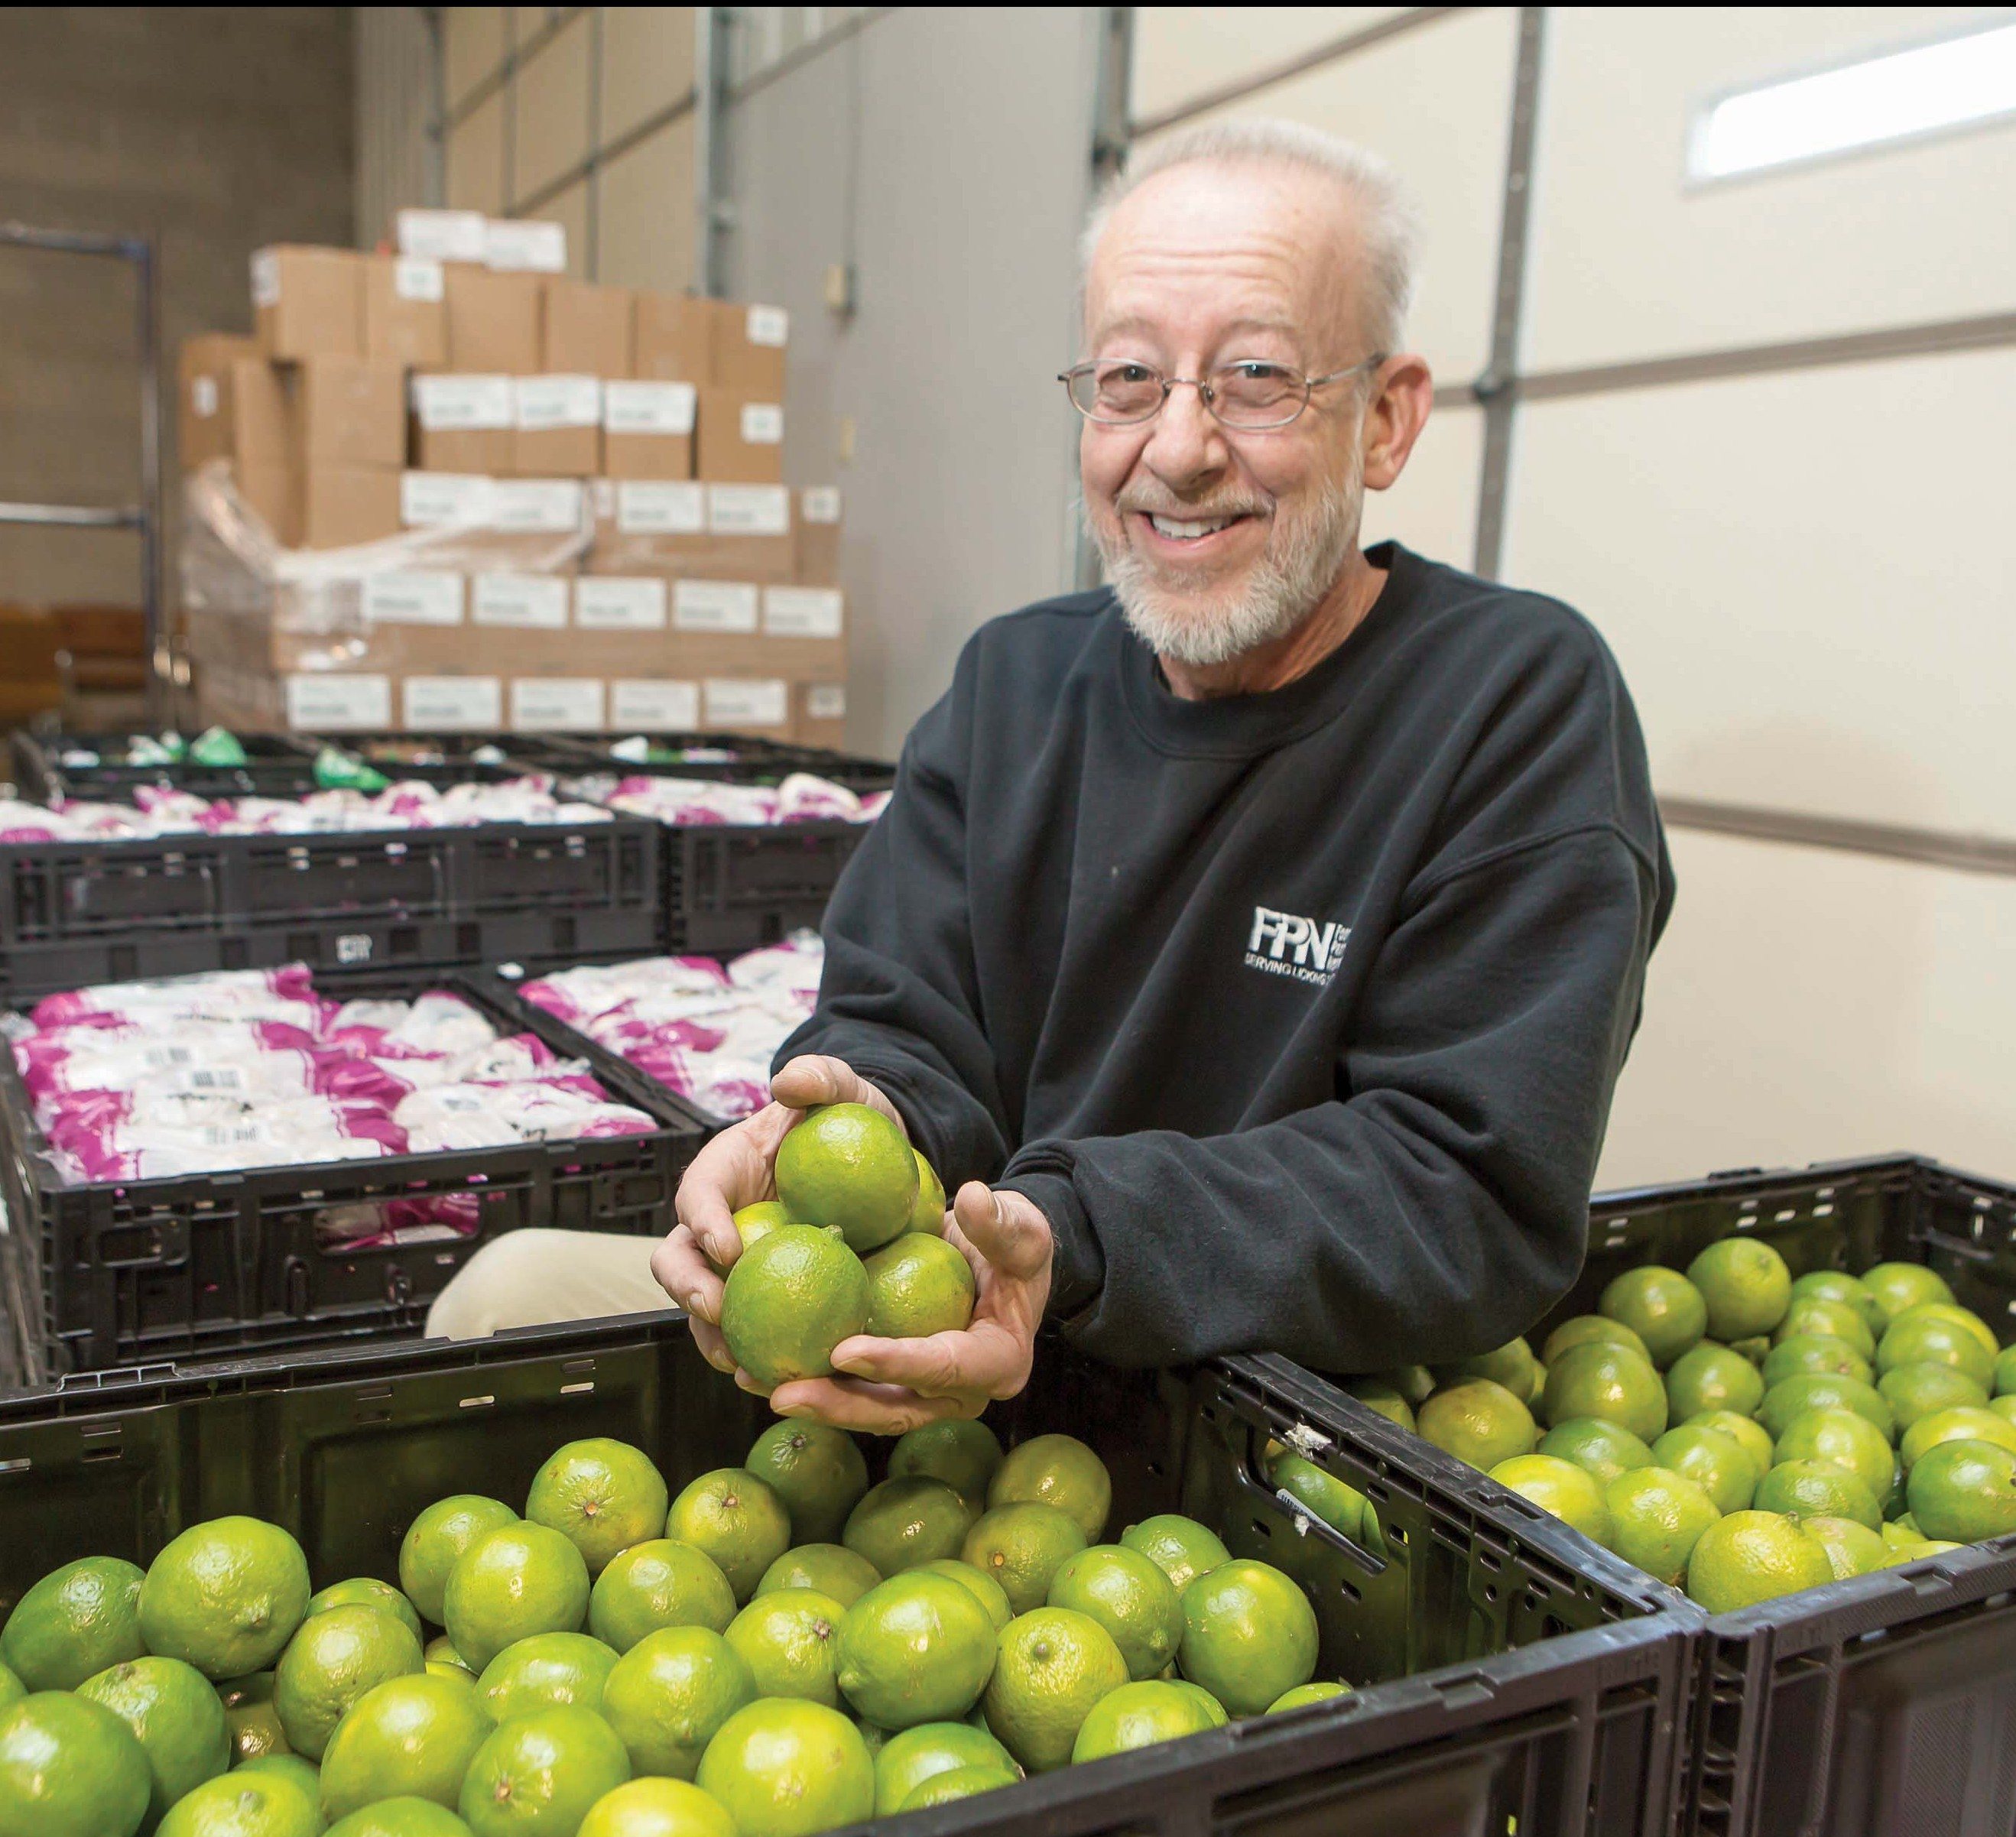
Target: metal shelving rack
(146, 515)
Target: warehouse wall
(213, 130)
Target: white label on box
(321, 703)
(801, 612)
(556, 701)
(444, 500)
(610, 602)
(558, 401)
(538, 601)
(769, 325)
(748, 511)
(265, 278)
(714, 606)
(731, 702)
(648, 508)
(451, 404)
(412, 597)
(540, 247)
(826, 702)
(441, 235)
(415, 278)
(436, 705)
(647, 408)
(535, 506)
(203, 396)
(820, 503)
(658, 707)
(762, 423)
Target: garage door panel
(1433, 510)
(1182, 52)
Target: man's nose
(1186, 444)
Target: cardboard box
(272, 492)
(441, 235)
(28, 647)
(405, 311)
(524, 244)
(465, 423)
(746, 349)
(558, 431)
(722, 532)
(308, 302)
(818, 535)
(230, 403)
(494, 321)
(819, 714)
(673, 338)
(647, 430)
(343, 506)
(588, 329)
(740, 439)
(349, 412)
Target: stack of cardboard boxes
(503, 499)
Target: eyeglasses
(1249, 396)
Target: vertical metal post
(1113, 71)
(161, 660)
(1497, 389)
(434, 183)
(713, 213)
(591, 259)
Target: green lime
(1964, 1491)
(961, 1782)
(1851, 1549)
(69, 1767)
(1899, 1286)
(439, 1653)
(830, 1569)
(1382, 1400)
(1710, 1377)
(249, 1714)
(1926, 1387)
(1022, 1547)
(1845, 1438)
(242, 1804)
(816, 1470)
(783, 1767)
(663, 1583)
(1603, 1449)
(536, 1777)
(601, 1495)
(918, 1285)
(1180, 1548)
(906, 1522)
(1791, 1397)
(848, 1165)
(1756, 1350)
(668, 1695)
(1754, 1556)
(510, 1583)
(1572, 1493)
(1661, 1306)
(1817, 1488)
(928, 1215)
(1316, 1691)
(1130, 1597)
(915, 1648)
(1479, 1422)
(409, 1738)
(402, 1817)
(1582, 1329)
(1747, 1434)
(1835, 1320)
(1745, 1285)
(1415, 1383)
(1321, 1494)
(1657, 1515)
(225, 1596)
(1511, 1365)
(992, 1597)
(367, 1591)
(1915, 1336)
(12, 1689)
(960, 1450)
(1966, 1423)
(74, 1622)
(789, 1640)
(333, 1660)
(435, 1539)
(789, 1301)
(1053, 1667)
(1819, 1353)
(1838, 1285)
(176, 1716)
(732, 1516)
(915, 1754)
(754, 1222)
(1718, 1463)
(2005, 1372)
(1249, 1633)
(1058, 1470)
(656, 1808)
(1140, 1715)
(1607, 1380)
(1959, 1316)
(548, 1671)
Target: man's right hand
(737, 1169)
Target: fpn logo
(1286, 944)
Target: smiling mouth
(1189, 531)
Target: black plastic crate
(275, 766)
(739, 758)
(457, 759)
(74, 914)
(113, 1273)
(1886, 1703)
(1508, 1674)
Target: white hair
(1384, 217)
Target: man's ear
(1405, 391)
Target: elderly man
(1253, 944)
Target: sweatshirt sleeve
(898, 994)
(1441, 1201)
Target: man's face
(1219, 540)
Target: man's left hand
(888, 1386)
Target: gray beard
(1287, 586)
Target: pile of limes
(1741, 1433)
(853, 1243)
(779, 1649)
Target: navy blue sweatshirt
(1298, 1014)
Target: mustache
(1155, 504)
